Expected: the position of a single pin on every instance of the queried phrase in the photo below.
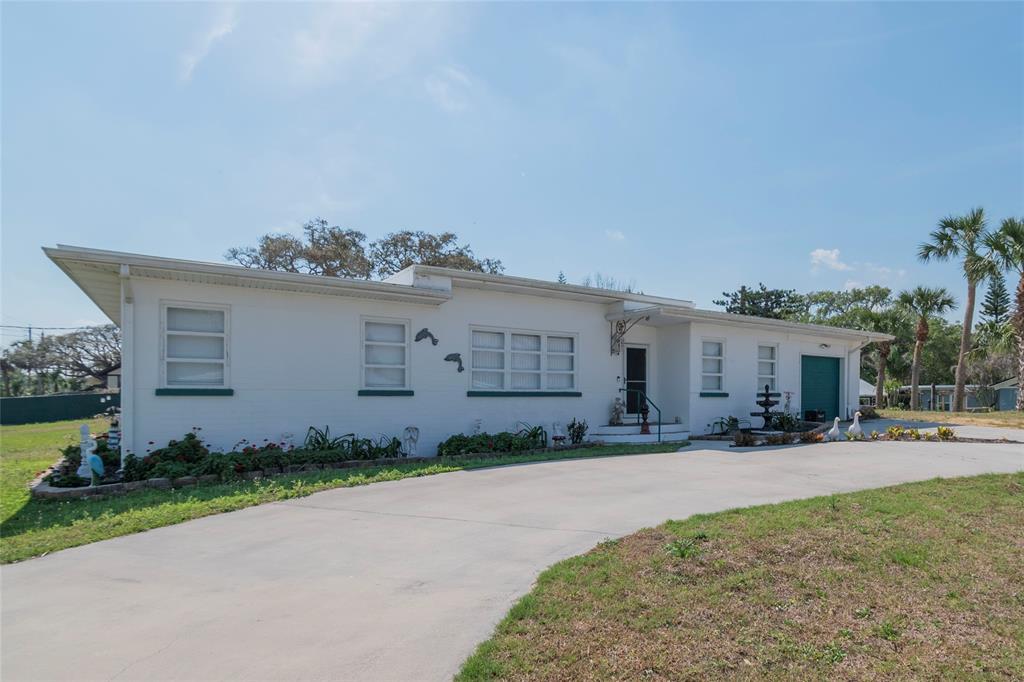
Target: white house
(256, 354)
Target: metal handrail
(644, 398)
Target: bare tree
(88, 352)
(330, 251)
(399, 250)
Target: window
(712, 369)
(195, 346)
(385, 354)
(521, 361)
(767, 367)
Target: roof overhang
(662, 316)
(98, 273)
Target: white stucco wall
(295, 362)
(741, 371)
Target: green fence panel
(51, 408)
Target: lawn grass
(31, 527)
(1007, 418)
(26, 450)
(917, 581)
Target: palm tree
(961, 236)
(923, 302)
(1007, 252)
(890, 320)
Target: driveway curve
(394, 581)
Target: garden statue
(410, 437)
(86, 447)
(618, 412)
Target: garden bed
(40, 488)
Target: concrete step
(643, 437)
(634, 428)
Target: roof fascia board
(328, 285)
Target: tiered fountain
(767, 401)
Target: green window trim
(384, 392)
(195, 391)
(524, 394)
(714, 394)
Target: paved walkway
(394, 581)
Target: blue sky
(690, 147)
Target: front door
(819, 385)
(636, 376)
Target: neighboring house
(867, 393)
(114, 379)
(943, 396)
(1006, 394)
(259, 355)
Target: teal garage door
(819, 385)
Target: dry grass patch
(1010, 419)
(916, 581)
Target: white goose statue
(833, 433)
(855, 430)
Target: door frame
(646, 347)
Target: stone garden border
(39, 488)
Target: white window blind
(522, 361)
(712, 377)
(385, 354)
(195, 346)
(767, 364)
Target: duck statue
(833, 433)
(855, 431)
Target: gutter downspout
(127, 363)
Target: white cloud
(828, 258)
(366, 40)
(615, 235)
(449, 88)
(221, 26)
(883, 273)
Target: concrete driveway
(394, 581)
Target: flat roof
(99, 272)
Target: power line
(30, 327)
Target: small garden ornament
(410, 438)
(855, 431)
(833, 433)
(86, 447)
(618, 412)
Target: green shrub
(577, 431)
(784, 421)
(504, 441)
(945, 433)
